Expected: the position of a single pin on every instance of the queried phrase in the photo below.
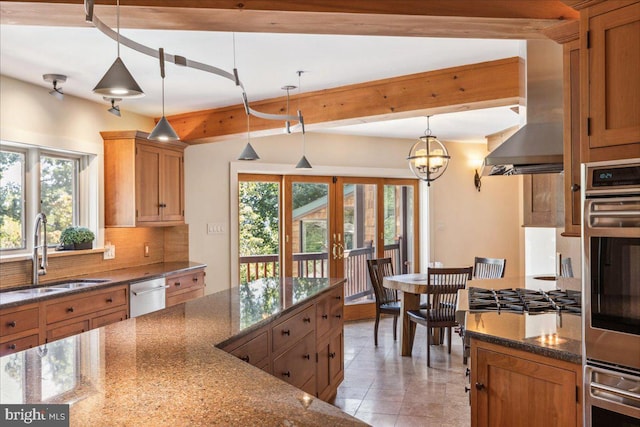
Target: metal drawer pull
(306, 356)
(70, 310)
(332, 355)
(245, 358)
(625, 393)
(150, 290)
(307, 320)
(177, 283)
(286, 332)
(12, 346)
(325, 316)
(286, 374)
(12, 324)
(479, 386)
(339, 316)
(109, 300)
(195, 279)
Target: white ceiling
(265, 63)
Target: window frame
(25, 168)
(86, 187)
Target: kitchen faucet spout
(39, 228)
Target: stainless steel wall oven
(611, 292)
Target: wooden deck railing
(315, 264)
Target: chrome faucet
(41, 222)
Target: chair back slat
(566, 270)
(443, 285)
(379, 269)
(488, 268)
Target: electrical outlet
(146, 249)
(109, 251)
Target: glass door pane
(259, 227)
(360, 228)
(399, 227)
(309, 221)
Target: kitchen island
(525, 367)
(163, 368)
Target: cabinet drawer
(20, 344)
(107, 319)
(185, 281)
(297, 365)
(67, 329)
(184, 296)
(289, 331)
(254, 351)
(82, 305)
(16, 321)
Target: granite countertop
(19, 295)
(164, 369)
(558, 336)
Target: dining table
(411, 286)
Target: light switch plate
(215, 228)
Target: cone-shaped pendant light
(163, 131)
(248, 153)
(118, 81)
(303, 163)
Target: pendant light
(428, 158)
(118, 81)
(163, 131)
(303, 163)
(248, 153)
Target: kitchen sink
(77, 285)
(38, 291)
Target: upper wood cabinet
(572, 159)
(143, 180)
(543, 204)
(610, 83)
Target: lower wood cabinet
(304, 348)
(74, 314)
(511, 387)
(19, 328)
(183, 287)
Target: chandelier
(428, 157)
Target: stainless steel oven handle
(614, 213)
(150, 290)
(609, 389)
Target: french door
(323, 226)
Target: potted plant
(76, 238)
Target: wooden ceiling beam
(482, 85)
(503, 19)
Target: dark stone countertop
(163, 368)
(557, 336)
(17, 296)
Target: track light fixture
(117, 81)
(115, 109)
(163, 131)
(303, 163)
(55, 79)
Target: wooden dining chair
(566, 270)
(489, 268)
(442, 290)
(387, 301)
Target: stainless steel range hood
(537, 146)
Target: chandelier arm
(179, 60)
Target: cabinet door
(297, 365)
(511, 391)
(148, 164)
(543, 200)
(572, 138)
(613, 107)
(172, 188)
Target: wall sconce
(428, 158)
(476, 181)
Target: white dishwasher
(146, 296)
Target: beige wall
(466, 223)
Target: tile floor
(383, 388)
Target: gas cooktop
(524, 300)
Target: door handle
(334, 251)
